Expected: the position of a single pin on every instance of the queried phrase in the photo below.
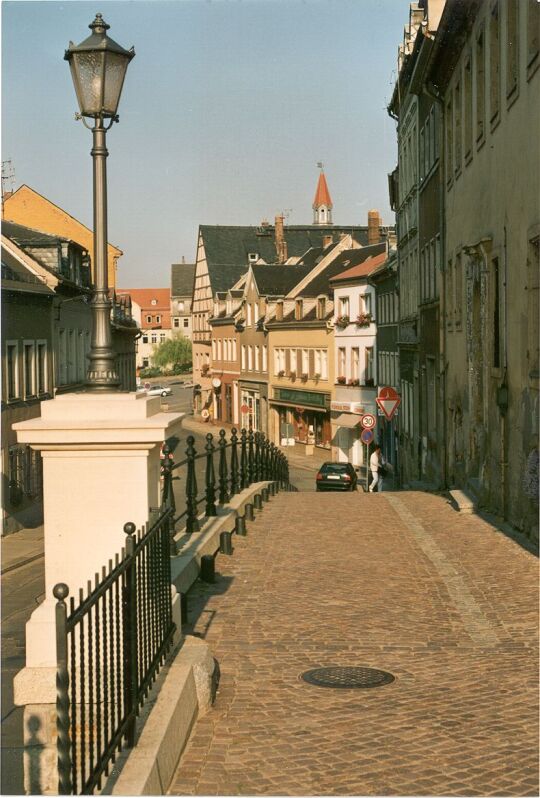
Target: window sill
(512, 96)
(533, 65)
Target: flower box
(342, 321)
(364, 320)
(354, 382)
(341, 381)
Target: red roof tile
(362, 269)
(322, 195)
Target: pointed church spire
(322, 204)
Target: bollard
(225, 543)
(265, 493)
(257, 501)
(240, 526)
(249, 515)
(276, 487)
(208, 571)
(272, 488)
(183, 608)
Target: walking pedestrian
(377, 467)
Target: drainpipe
(502, 392)
(433, 94)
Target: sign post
(366, 436)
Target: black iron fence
(111, 644)
(110, 647)
(230, 467)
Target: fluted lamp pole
(98, 68)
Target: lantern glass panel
(87, 71)
(115, 72)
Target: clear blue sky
(226, 109)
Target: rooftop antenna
(8, 177)
(320, 165)
(8, 180)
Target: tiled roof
(182, 277)
(345, 260)
(278, 279)
(27, 235)
(227, 247)
(322, 195)
(361, 269)
(144, 296)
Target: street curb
(182, 697)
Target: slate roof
(278, 279)
(28, 236)
(182, 277)
(227, 247)
(345, 260)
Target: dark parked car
(336, 476)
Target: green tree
(173, 353)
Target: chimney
(327, 241)
(374, 224)
(281, 244)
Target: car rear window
(334, 468)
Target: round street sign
(366, 435)
(368, 421)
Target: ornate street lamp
(98, 68)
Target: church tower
(322, 204)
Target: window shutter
(299, 363)
(311, 362)
(287, 361)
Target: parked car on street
(336, 476)
(159, 390)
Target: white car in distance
(158, 390)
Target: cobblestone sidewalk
(396, 581)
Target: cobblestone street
(396, 581)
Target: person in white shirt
(376, 461)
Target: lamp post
(98, 68)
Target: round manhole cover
(347, 677)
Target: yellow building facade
(301, 381)
(25, 206)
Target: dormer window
(253, 257)
(298, 307)
(321, 307)
(279, 310)
(149, 319)
(153, 302)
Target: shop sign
(301, 397)
(347, 407)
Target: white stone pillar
(101, 469)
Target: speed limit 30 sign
(368, 421)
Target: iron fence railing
(241, 461)
(110, 647)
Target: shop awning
(347, 420)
